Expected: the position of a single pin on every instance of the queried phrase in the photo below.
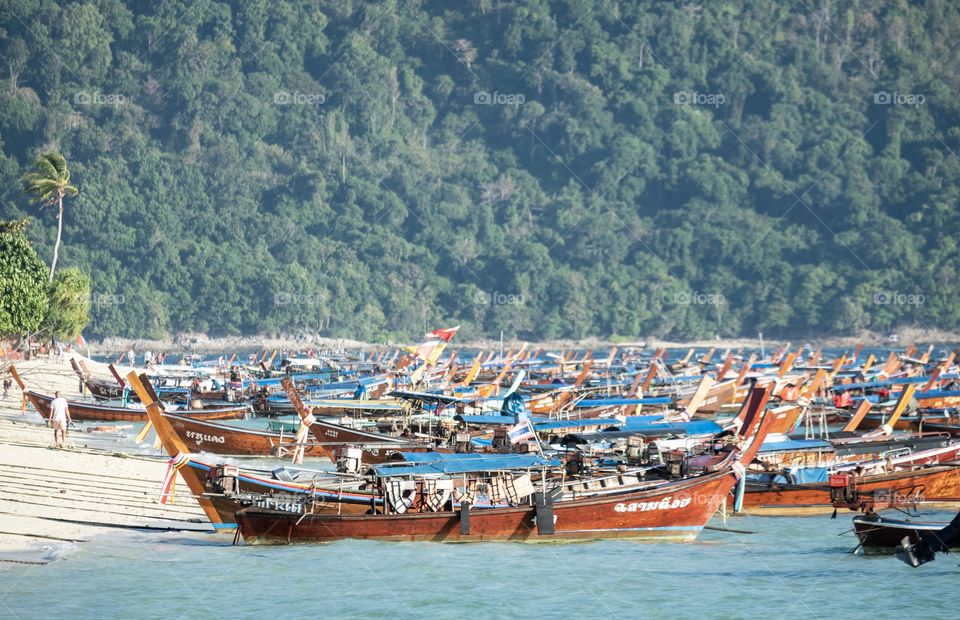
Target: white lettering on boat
(666, 503)
(200, 437)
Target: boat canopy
(427, 463)
(613, 402)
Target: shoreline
(52, 501)
(201, 343)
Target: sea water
(788, 567)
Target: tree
(23, 292)
(48, 183)
(69, 310)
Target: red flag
(81, 341)
(445, 334)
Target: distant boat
(880, 535)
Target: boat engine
(462, 443)
(634, 447)
(843, 490)
(349, 459)
(224, 479)
(676, 461)
(574, 464)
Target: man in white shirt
(59, 418)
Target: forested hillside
(553, 169)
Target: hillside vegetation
(553, 169)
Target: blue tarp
(878, 384)
(613, 402)
(420, 463)
(801, 475)
(794, 444)
(513, 407)
(936, 394)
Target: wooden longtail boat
(203, 436)
(84, 412)
(220, 495)
(880, 535)
(672, 510)
(377, 447)
(99, 388)
(666, 510)
(938, 483)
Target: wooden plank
(858, 416)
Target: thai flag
(521, 432)
(445, 334)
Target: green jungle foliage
(23, 282)
(549, 168)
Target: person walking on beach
(59, 418)
(7, 384)
(131, 357)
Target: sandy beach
(52, 500)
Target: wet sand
(53, 499)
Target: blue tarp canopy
(800, 475)
(495, 419)
(794, 444)
(613, 402)
(420, 463)
(937, 394)
(693, 427)
(878, 384)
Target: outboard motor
(349, 459)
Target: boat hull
(941, 483)
(680, 511)
(882, 536)
(90, 412)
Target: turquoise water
(791, 567)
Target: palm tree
(48, 183)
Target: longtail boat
(667, 509)
(881, 535)
(99, 388)
(376, 447)
(937, 483)
(204, 436)
(219, 489)
(84, 412)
